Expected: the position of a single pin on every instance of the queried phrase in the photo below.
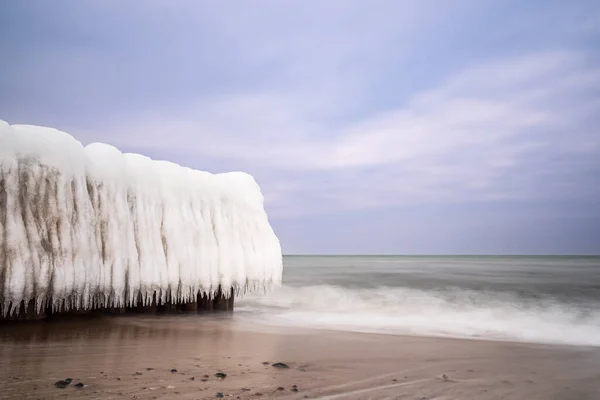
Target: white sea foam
(450, 313)
(92, 226)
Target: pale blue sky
(372, 126)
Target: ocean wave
(451, 312)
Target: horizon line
(441, 255)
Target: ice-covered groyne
(83, 228)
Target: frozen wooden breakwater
(90, 228)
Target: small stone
(79, 385)
(138, 373)
(258, 394)
(204, 380)
(245, 390)
(63, 384)
(294, 388)
(173, 370)
(394, 380)
(206, 376)
(280, 365)
(149, 369)
(280, 388)
(219, 395)
(266, 363)
(118, 378)
(221, 375)
(192, 378)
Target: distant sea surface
(539, 299)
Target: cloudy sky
(447, 127)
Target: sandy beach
(136, 358)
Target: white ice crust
(89, 226)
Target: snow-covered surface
(95, 227)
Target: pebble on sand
(173, 370)
(221, 375)
(63, 384)
(280, 365)
(445, 378)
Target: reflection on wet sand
(133, 358)
(38, 353)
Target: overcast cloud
(371, 126)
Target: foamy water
(531, 299)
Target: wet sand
(132, 358)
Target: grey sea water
(542, 299)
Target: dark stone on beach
(245, 390)
(149, 369)
(280, 388)
(79, 385)
(258, 394)
(138, 373)
(294, 389)
(173, 370)
(266, 363)
(219, 394)
(118, 378)
(206, 376)
(280, 365)
(221, 375)
(204, 380)
(63, 384)
(192, 378)
(394, 380)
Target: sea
(535, 299)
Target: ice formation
(85, 227)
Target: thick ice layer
(91, 226)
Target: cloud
(333, 107)
(471, 138)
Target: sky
(372, 127)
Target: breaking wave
(455, 313)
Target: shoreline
(132, 358)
